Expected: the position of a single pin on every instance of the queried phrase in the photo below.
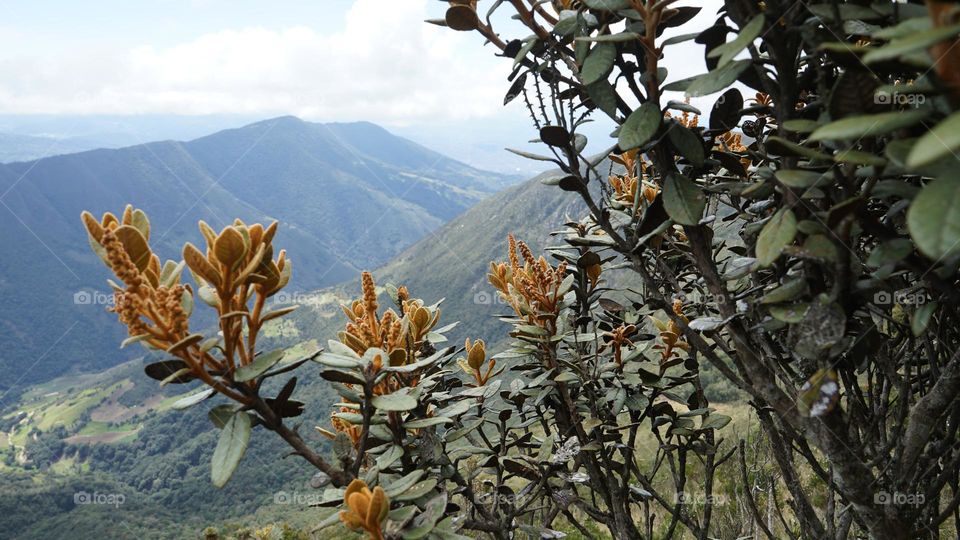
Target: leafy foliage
(775, 262)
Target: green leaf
(602, 38)
(342, 376)
(357, 419)
(427, 422)
(938, 143)
(890, 251)
(789, 313)
(397, 401)
(800, 125)
(921, 318)
(529, 155)
(640, 126)
(798, 178)
(339, 361)
(259, 365)
(777, 234)
(905, 28)
(683, 200)
(609, 5)
(687, 143)
(728, 50)
(389, 457)
(869, 125)
(717, 80)
(193, 399)
(403, 483)
(599, 63)
(785, 292)
(417, 490)
(859, 157)
(715, 421)
(847, 11)
(604, 96)
(220, 415)
(934, 218)
(230, 448)
(779, 146)
(915, 42)
(568, 22)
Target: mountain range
(348, 196)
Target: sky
(321, 60)
(329, 60)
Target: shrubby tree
(804, 243)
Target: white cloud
(385, 64)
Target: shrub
(804, 243)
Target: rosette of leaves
(399, 404)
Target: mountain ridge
(283, 168)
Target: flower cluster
(670, 333)
(532, 288)
(151, 302)
(394, 338)
(236, 269)
(618, 338)
(686, 119)
(625, 185)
